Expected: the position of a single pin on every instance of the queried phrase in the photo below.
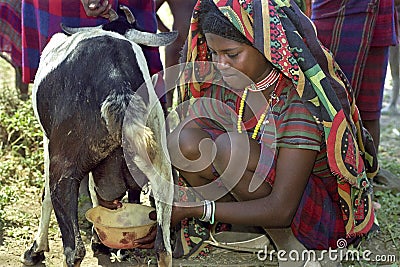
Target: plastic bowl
(121, 227)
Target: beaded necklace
(271, 78)
(275, 76)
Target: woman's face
(235, 59)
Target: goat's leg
(160, 177)
(108, 179)
(96, 245)
(394, 67)
(144, 143)
(92, 192)
(134, 195)
(164, 259)
(144, 147)
(64, 189)
(23, 87)
(35, 253)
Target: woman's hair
(211, 20)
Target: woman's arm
(293, 169)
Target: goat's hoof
(31, 258)
(164, 259)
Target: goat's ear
(112, 15)
(151, 39)
(128, 13)
(65, 29)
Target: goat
(93, 96)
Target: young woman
(272, 137)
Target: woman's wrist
(189, 209)
(208, 214)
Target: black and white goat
(86, 85)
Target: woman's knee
(187, 144)
(236, 147)
(236, 160)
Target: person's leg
(19, 84)
(374, 128)
(395, 76)
(394, 57)
(236, 160)
(181, 11)
(369, 103)
(233, 149)
(370, 97)
(172, 55)
(394, 70)
(192, 151)
(232, 157)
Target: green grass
(20, 141)
(21, 157)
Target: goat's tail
(113, 110)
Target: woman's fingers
(95, 8)
(153, 215)
(112, 205)
(148, 240)
(145, 246)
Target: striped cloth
(10, 30)
(287, 38)
(359, 33)
(41, 19)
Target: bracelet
(208, 211)
(212, 212)
(203, 217)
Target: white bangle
(212, 212)
(203, 216)
(206, 211)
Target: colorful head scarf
(212, 20)
(287, 38)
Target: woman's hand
(112, 205)
(95, 8)
(179, 212)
